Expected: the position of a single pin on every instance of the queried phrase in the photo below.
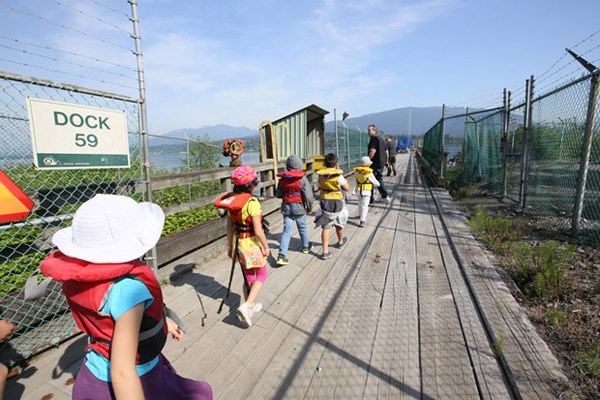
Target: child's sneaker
(281, 261)
(307, 250)
(325, 256)
(244, 313)
(340, 245)
(256, 308)
(362, 224)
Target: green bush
(498, 233)
(187, 219)
(542, 268)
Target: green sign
(71, 136)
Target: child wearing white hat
(117, 301)
(364, 183)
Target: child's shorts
(162, 382)
(328, 220)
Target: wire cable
(69, 63)
(68, 73)
(64, 27)
(67, 52)
(90, 15)
(110, 9)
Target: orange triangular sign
(14, 204)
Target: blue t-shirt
(125, 294)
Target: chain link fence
(56, 195)
(350, 148)
(433, 148)
(544, 154)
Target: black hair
(330, 160)
(246, 187)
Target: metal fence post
(348, 148)
(337, 148)
(527, 139)
(442, 155)
(143, 114)
(586, 150)
(505, 122)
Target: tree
(203, 153)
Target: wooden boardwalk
(410, 308)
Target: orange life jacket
(234, 203)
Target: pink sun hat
(243, 175)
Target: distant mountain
(214, 132)
(407, 120)
(400, 121)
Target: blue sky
(239, 62)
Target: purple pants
(162, 382)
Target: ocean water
(176, 160)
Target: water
(175, 160)
(452, 150)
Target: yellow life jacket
(363, 183)
(329, 184)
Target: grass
(589, 360)
(554, 317)
(542, 268)
(498, 233)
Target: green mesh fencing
(56, 194)
(549, 186)
(482, 151)
(514, 152)
(433, 147)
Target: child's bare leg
(340, 234)
(245, 291)
(325, 239)
(254, 291)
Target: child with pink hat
(246, 237)
(117, 301)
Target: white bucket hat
(111, 229)
(366, 161)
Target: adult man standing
(380, 158)
(390, 146)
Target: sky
(239, 62)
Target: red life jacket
(234, 203)
(291, 186)
(86, 286)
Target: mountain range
(413, 121)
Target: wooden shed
(301, 133)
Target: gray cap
(293, 163)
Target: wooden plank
(355, 329)
(445, 365)
(395, 368)
(532, 369)
(488, 371)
